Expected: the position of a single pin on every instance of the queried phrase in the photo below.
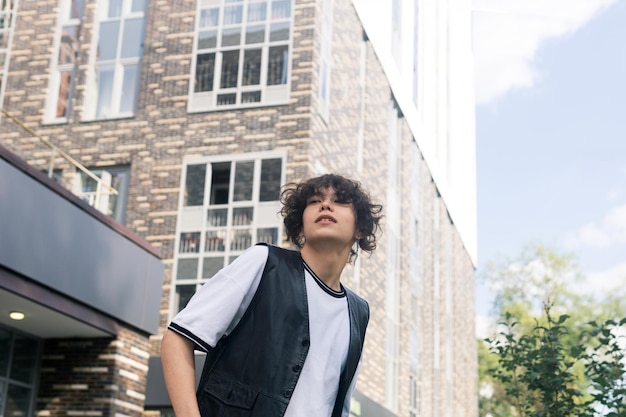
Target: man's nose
(326, 205)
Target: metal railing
(91, 197)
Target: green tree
(555, 352)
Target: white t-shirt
(220, 303)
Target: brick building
(196, 111)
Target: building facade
(197, 111)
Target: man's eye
(314, 201)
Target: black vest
(253, 371)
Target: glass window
(241, 211)
(271, 170)
(244, 172)
(277, 65)
(111, 204)
(240, 76)
(19, 365)
(252, 67)
(194, 185)
(119, 50)
(63, 67)
(230, 68)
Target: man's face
(327, 219)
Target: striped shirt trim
(188, 335)
(322, 284)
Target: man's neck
(327, 264)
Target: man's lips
(325, 217)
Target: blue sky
(551, 132)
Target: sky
(551, 133)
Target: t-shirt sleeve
(216, 308)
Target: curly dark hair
(368, 215)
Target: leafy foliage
(553, 361)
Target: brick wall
(94, 377)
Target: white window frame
(326, 47)
(271, 95)
(9, 11)
(193, 219)
(117, 64)
(65, 20)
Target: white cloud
(508, 34)
(609, 232)
(604, 281)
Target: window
(115, 78)
(19, 363)
(113, 205)
(65, 61)
(227, 205)
(241, 54)
(325, 55)
(7, 19)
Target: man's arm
(179, 372)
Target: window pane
(105, 91)
(129, 89)
(63, 98)
(115, 8)
(183, 295)
(251, 67)
(281, 9)
(251, 97)
(24, 359)
(77, 9)
(4, 38)
(205, 70)
(240, 240)
(232, 15)
(230, 66)
(217, 217)
(207, 39)
(211, 266)
(187, 269)
(209, 17)
(107, 41)
(279, 31)
(220, 183)
(244, 173)
(226, 99)
(255, 34)
(120, 177)
(132, 39)
(215, 241)
(17, 402)
(277, 65)
(189, 242)
(242, 216)
(5, 346)
(69, 46)
(231, 36)
(257, 12)
(194, 185)
(138, 6)
(270, 179)
(267, 235)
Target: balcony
(71, 269)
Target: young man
(283, 337)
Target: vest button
(306, 343)
(296, 368)
(288, 393)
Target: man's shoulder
(281, 252)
